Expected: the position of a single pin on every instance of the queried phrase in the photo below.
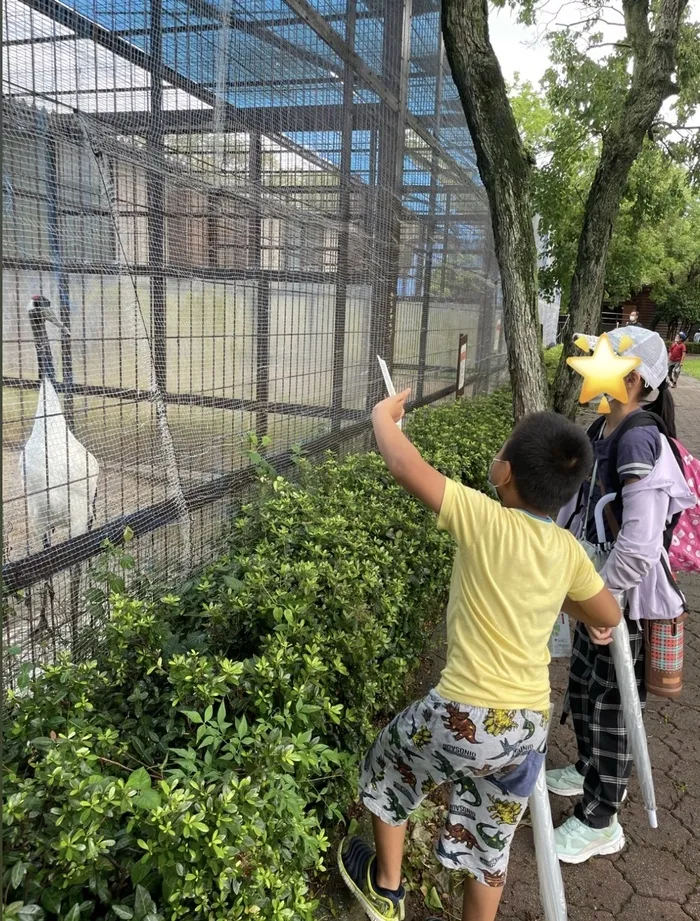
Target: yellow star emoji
(604, 372)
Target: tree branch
(637, 25)
(609, 45)
(672, 127)
(593, 20)
(655, 61)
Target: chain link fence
(216, 216)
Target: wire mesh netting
(216, 216)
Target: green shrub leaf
(139, 780)
(19, 871)
(149, 799)
(30, 913)
(123, 911)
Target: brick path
(657, 876)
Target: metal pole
(387, 225)
(155, 190)
(430, 228)
(56, 256)
(344, 215)
(262, 335)
(212, 225)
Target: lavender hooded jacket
(636, 563)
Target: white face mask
(492, 486)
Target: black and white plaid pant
(605, 760)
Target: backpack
(684, 552)
(682, 533)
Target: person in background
(634, 319)
(676, 357)
(696, 337)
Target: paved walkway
(657, 877)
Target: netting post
(51, 152)
(445, 241)
(396, 51)
(430, 229)
(344, 216)
(262, 332)
(212, 229)
(155, 191)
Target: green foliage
(656, 238)
(551, 361)
(192, 767)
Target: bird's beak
(51, 317)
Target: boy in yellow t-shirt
(484, 727)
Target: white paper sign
(560, 640)
(388, 383)
(462, 368)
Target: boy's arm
(601, 613)
(403, 460)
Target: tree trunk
(505, 172)
(651, 84)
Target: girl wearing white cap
(634, 460)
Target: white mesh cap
(648, 345)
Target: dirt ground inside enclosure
(657, 876)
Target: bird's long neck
(44, 356)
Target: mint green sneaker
(577, 843)
(356, 864)
(565, 781)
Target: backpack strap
(593, 431)
(643, 419)
(595, 428)
(609, 516)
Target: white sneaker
(576, 842)
(565, 781)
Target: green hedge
(193, 768)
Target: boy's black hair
(549, 457)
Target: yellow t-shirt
(511, 574)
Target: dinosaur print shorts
(491, 758)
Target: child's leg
(388, 841)
(480, 903)
(395, 777)
(484, 813)
(582, 658)
(611, 762)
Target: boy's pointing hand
(393, 406)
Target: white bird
(59, 473)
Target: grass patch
(691, 366)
